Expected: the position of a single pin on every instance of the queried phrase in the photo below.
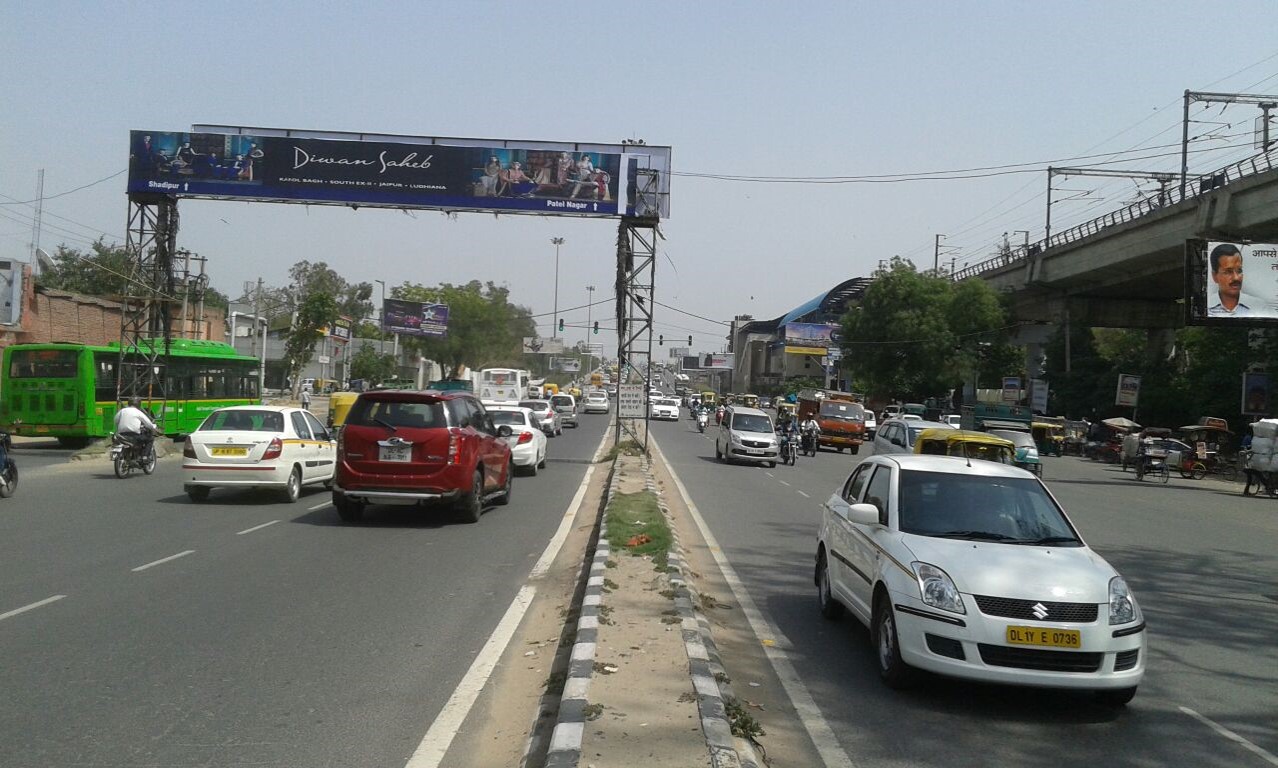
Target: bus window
(44, 363)
(104, 377)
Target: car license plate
(1046, 636)
(224, 451)
(400, 453)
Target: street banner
(630, 401)
(1255, 394)
(545, 178)
(534, 345)
(415, 318)
(722, 360)
(1128, 393)
(566, 364)
(1011, 389)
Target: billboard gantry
(545, 178)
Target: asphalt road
(1202, 561)
(243, 630)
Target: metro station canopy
(827, 307)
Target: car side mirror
(504, 430)
(864, 514)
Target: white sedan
(258, 446)
(546, 414)
(973, 570)
(596, 401)
(527, 441)
(663, 408)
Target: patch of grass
(671, 620)
(668, 594)
(626, 447)
(687, 696)
(592, 711)
(609, 585)
(722, 678)
(555, 682)
(634, 516)
(610, 563)
(742, 722)
(605, 613)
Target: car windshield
(1019, 439)
(243, 421)
(1015, 510)
(513, 418)
(412, 414)
(748, 422)
(844, 411)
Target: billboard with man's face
(1232, 282)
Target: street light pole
(554, 328)
(590, 355)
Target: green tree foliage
(372, 366)
(354, 300)
(316, 311)
(103, 271)
(916, 334)
(484, 328)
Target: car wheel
(504, 498)
(542, 463)
(349, 511)
(1200, 470)
(531, 469)
(892, 668)
(472, 504)
(718, 454)
(830, 607)
(1118, 697)
(197, 493)
(293, 488)
(771, 464)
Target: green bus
(68, 390)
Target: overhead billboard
(1231, 283)
(534, 345)
(566, 364)
(722, 361)
(340, 330)
(546, 178)
(415, 318)
(691, 363)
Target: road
(243, 630)
(1202, 560)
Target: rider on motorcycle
(134, 425)
(808, 430)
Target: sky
(797, 90)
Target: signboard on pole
(340, 330)
(1128, 393)
(329, 167)
(1255, 394)
(1011, 389)
(678, 352)
(691, 363)
(1038, 395)
(630, 401)
(415, 318)
(534, 345)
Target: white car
(898, 435)
(747, 434)
(546, 414)
(663, 408)
(566, 407)
(258, 446)
(596, 401)
(527, 441)
(973, 570)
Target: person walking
(306, 399)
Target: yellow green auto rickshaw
(938, 441)
(339, 404)
(1049, 437)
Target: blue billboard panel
(812, 335)
(243, 166)
(414, 318)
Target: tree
(103, 271)
(353, 299)
(484, 329)
(316, 311)
(371, 365)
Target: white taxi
(258, 446)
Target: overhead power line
(69, 191)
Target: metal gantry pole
(147, 314)
(636, 269)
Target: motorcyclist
(809, 428)
(134, 425)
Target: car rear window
(514, 418)
(536, 405)
(412, 414)
(243, 421)
(564, 400)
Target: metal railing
(1196, 187)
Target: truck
(840, 416)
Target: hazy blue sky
(764, 89)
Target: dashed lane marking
(255, 528)
(163, 560)
(30, 607)
(804, 495)
(1263, 753)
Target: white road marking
(434, 745)
(1263, 753)
(320, 506)
(804, 495)
(255, 528)
(784, 483)
(33, 606)
(164, 560)
(827, 745)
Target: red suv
(401, 447)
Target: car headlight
(937, 588)
(1122, 606)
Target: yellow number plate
(1046, 636)
(229, 451)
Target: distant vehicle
(503, 385)
(566, 407)
(546, 414)
(596, 401)
(527, 441)
(664, 408)
(977, 573)
(258, 446)
(840, 417)
(747, 434)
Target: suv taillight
(525, 437)
(341, 441)
(188, 450)
(273, 450)
(454, 447)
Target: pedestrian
(306, 399)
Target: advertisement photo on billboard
(1255, 394)
(718, 361)
(1232, 282)
(501, 177)
(1128, 393)
(414, 318)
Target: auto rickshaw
(749, 401)
(1026, 451)
(1049, 436)
(965, 444)
(339, 404)
(1212, 443)
(709, 398)
(1075, 437)
(785, 409)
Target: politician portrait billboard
(1233, 280)
(534, 178)
(414, 318)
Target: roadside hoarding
(1038, 395)
(1011, 389)
(566, 364)
(1231, 283)
(340, 330)
(679, 352)
(691, 363)
(1255, 394)
(534, 345)
(545, 178)
(1128, 393)
(414, 318)
(721, 360)
(630, 401)
(812, 335)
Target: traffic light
(596, 326)
(689, 340)
(561, 325)
(661, 340)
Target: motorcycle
(789, 452)
(808, 442)
(9, 470)
(703, 419)
(132, 452)
(718, 415)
